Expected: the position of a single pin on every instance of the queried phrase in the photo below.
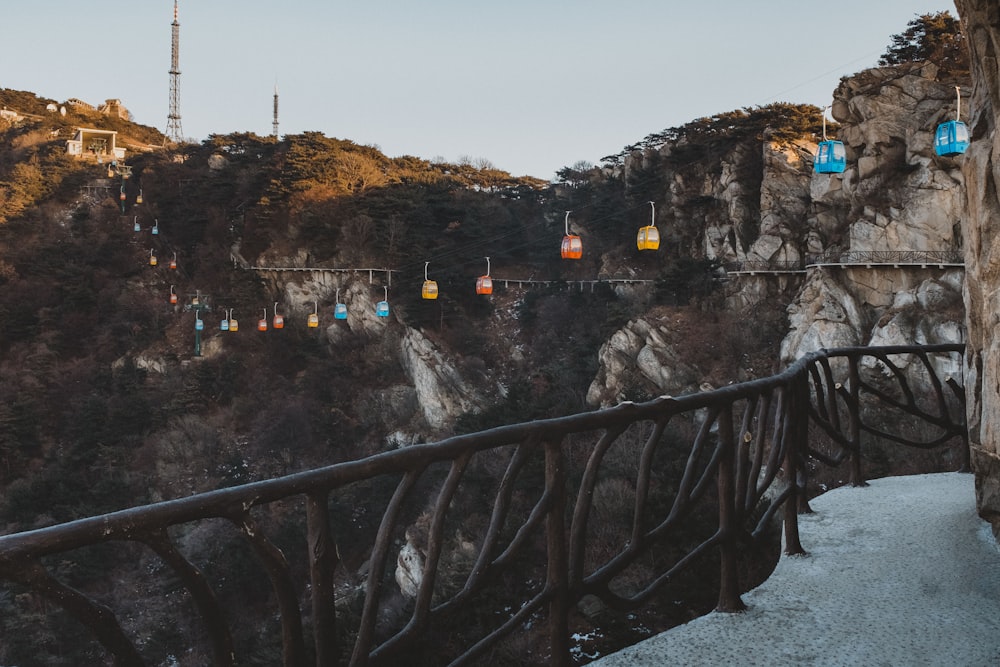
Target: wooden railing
(508, 529)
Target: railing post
(322, 561)
(795, 432)
(557, 574)
(729, 585)
(854, 411)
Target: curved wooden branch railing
(510, 521)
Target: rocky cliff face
(895, 196)
(842, 231)
(981, 26)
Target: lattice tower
(274, 124)
(174, 132)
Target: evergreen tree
(930, 37)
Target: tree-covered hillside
(100, 383)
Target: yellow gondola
(430, 288)
(313, 321)
(649, 237)
(152, 258)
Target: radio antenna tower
(174, 132)
(274, 124)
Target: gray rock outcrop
(639, 358)
(442, 393)
(981, 169)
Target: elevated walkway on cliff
(867, 259)
(901, 572)
(855, 259)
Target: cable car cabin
(278, 322)
(382, 309)
(138, 197)
(484, 285)
(313, 321)
(340, 311)
(199, 324)
(951, 138)
(262, 324)
(156, 230)
(121, 196)
(234, 325)
(429, 290)
(224, 325)
(136, 227)
(831, 158)
(173, 298)
(173, 264)
(648, 238)
(152, 260)
(572, 247)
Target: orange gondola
(262, 322)
(278, 321)
(572, 246)
(173, 295)
(484, 284)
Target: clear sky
(531, 86)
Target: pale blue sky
(529, 86)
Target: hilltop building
(99, 145)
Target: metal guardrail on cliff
(512, 527)
(852, 258)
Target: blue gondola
(831, 156)
(340, 310)
(198, 323)
(952, 137)
(156, 227)
(135, 224)
(382, 307)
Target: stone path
(902, 572)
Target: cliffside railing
(925, 259)
(504, 531)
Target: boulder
(638, 359)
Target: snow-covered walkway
(902, 572)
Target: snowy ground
(902, 572)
